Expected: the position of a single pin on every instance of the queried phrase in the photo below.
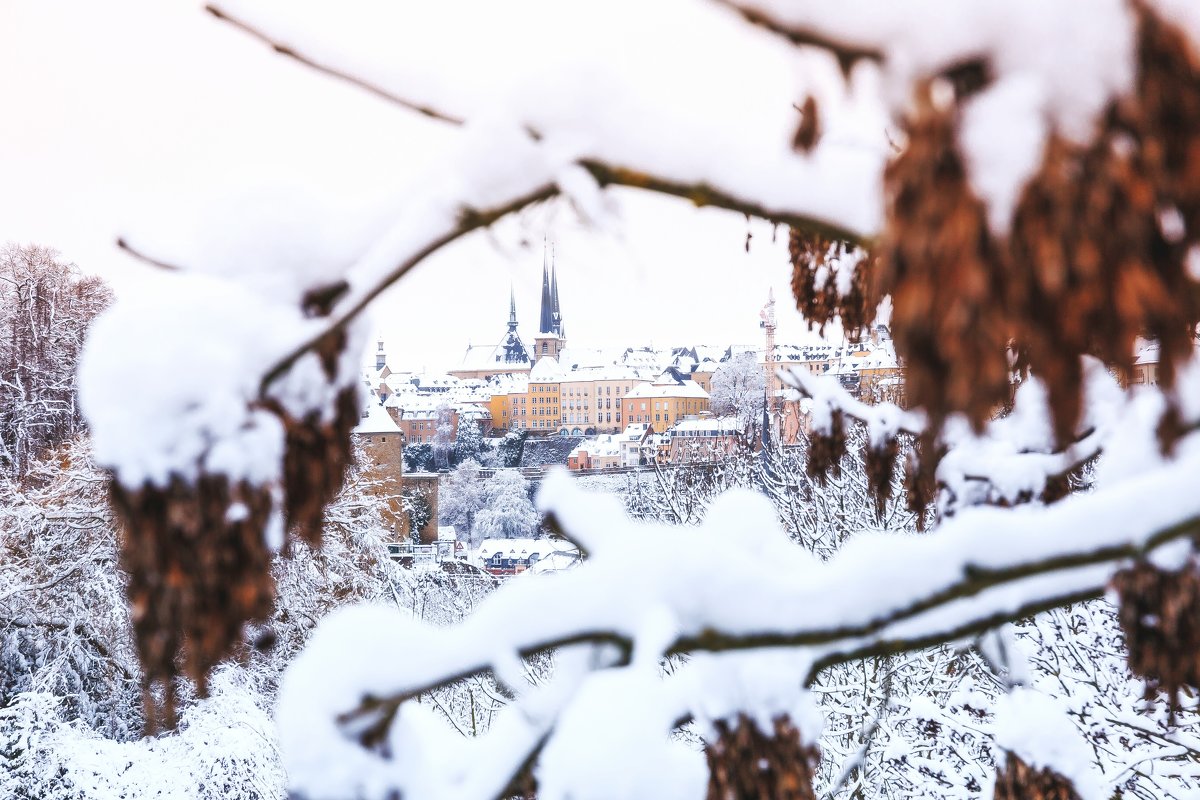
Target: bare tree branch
(846, 53)
(325, 69)
(124, 244)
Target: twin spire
(551, 319)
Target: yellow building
(664, 402)
(544, 407)
(509, 404)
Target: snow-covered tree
(510, 449)
(46, 305)
(418, 457)
(468, 444)
(443, 436)
(507, 511)
(738, 392)
(460, 497)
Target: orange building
(664, 402)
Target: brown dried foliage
(941, 268)
(1019, 781)
(317, 451)
(920, 477)
(1095, 256)
(199, 565)
(1160, 617)
(821, 305)
(316, 456)
(745, 763)
(825, 451)
(808, 132)
(199, 568)
(880, 463)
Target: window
(543, 347)
(383, 438)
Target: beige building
(591, 398)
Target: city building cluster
(613, 396)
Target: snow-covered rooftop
(376, 419)
(687, 388)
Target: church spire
(557, 313)
(546, 324)
(512, 309)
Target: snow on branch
(734, 583)
(547, 97)
(884, 421)
(1014, 460)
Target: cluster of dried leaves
(1016, 780)
(1159, 614)
(747, 764)
(1096, 256)
(197, 553)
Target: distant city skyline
(679, 276)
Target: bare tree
(46, 306)
(738, 392)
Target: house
(632, 443)
(700, 439)
(599, 452)
(514, 556)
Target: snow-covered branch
(878, 596)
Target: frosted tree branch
(980, 570)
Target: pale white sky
(148, 117)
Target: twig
(325, 69)
(846, 53)
(123, 244)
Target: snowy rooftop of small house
(608, 444)
(1148, 353)
(523, 548)
(471, 411)
(412, 403)
(546, 370)
(668, 388)
(880, 359)
(705, 426)
(635, 431)
(645, 358)
(376, 419)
